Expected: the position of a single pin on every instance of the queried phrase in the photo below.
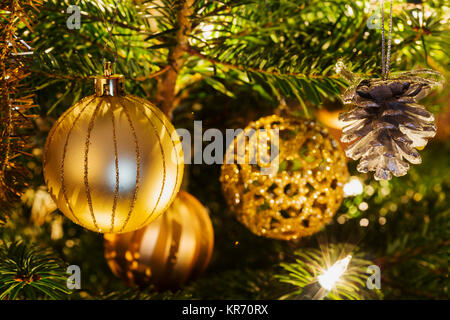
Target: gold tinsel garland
(14, 103)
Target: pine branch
(30, 273)
(405, 255)
(255, 39)
(75, 77)
(89, 18)
(165, 96)
(145, 294)
(244, 283)
(192, 51)
(66, 58)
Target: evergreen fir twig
(30, 272)
(165, 96)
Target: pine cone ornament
(387, 124)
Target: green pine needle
(27, 272)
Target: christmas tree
(315, 228)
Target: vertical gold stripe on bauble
(142, 102)
(56, 127)
(86, 161)
(175, 241)
(63, 182)
(116, 163)
(162, 155)
(138, 164)
(172, 196)
(159, 253)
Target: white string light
(329, 278)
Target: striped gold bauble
(113, 162)
(170, 251)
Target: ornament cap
(110, 85)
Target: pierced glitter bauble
(170, 251)
(300, 197)
(113, 162)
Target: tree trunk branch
(165, 95)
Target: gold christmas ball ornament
(113, 162)
(330, 118)
(170, 251)
(298, 198)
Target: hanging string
(106, 65)
(385, 60)
(388, 59)
(383, 64)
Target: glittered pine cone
(387, 124)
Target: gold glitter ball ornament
(170, 251)
(113, 162)
(300, 197)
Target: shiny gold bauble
(300, 197)
(113, 162)
(334, 126)
(330, 118)
(168, 252)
